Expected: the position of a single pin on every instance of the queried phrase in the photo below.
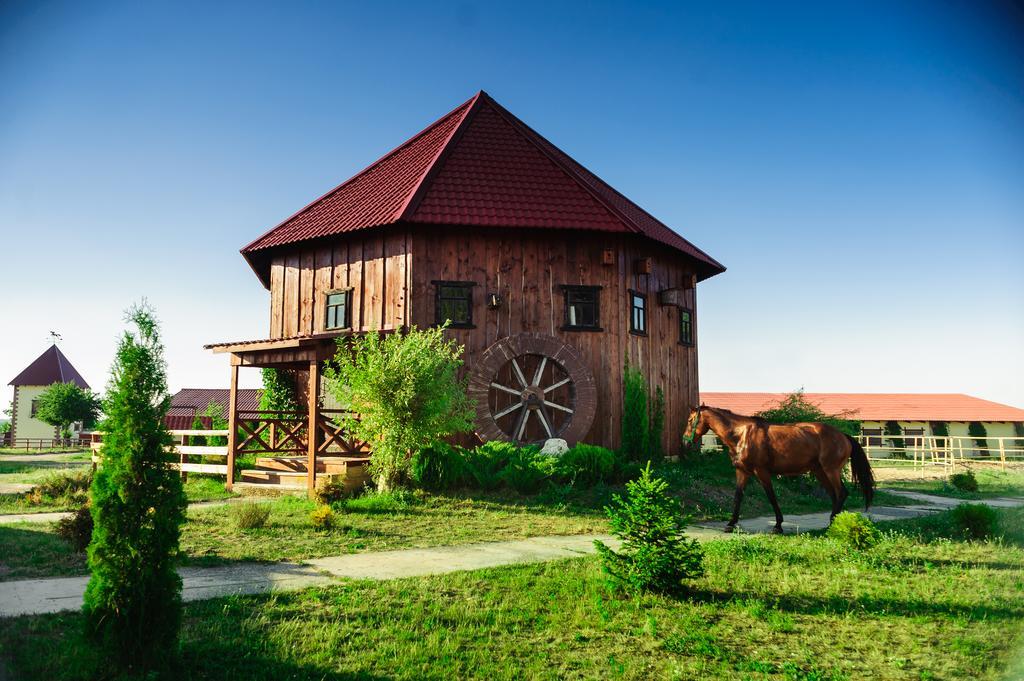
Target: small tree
(278, 391)
(796, 408)
(656, 554)
(635, 416)
(405, 389)
(133, 599)
(657, 452)
(62, 404)
(976, 429)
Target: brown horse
(764, 449)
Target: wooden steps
(288, 473)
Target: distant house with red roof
(188, 403)
(49, 368)
(916, 413)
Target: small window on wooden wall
(637, 313)
(582, 308)
(685, 326)
(454, 303)
(338, 309)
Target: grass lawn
(768, 608)
(991, 483)
(20, 472)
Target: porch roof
(263, 344)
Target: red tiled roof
(192, 401)
(878, 406)
(50, 367)
(478, 165)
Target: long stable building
(549, 277)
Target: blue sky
(859, 167)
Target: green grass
(991, 483)
(768, 608)
(18, 451)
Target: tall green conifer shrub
(657, 452)
(635, 417)
(133, 600)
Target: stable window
(35, 408)
(685, 326)
(339, 310)
(637, 313)
(454, 303)
(582, 308)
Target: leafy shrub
(484, 464)
(975, 521)
(854, 530)
(322, 518)
(625, 470)
(586, 465)
(976, 429)
(965, 481)
(406, 391)
(69, 484)
(329, 488)
(76, 529)
(382, 502)
(438, 467)
(656, 555)
(655, 450)
(132, 604)
(526, 471)
(795, 408)
(251, 515)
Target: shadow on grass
(27, 552)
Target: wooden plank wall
(528, 269)
(375, 265)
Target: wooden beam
(232, 427)
(313, 395)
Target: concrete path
(8, 518)
(35, 596)
(52, 459)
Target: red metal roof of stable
(192, 401)
(877, 406)
(476, 166)
(49, 368)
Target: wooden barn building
(548, 276)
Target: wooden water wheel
(529, 388)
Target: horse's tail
(862, 474)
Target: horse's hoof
(729, 528)
(777, 529)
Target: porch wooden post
(232, 424)
(313, 390)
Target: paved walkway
(8, 518)
(35, 596)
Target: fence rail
(918, 451)
(28, 443)
(184, 450)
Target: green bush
(586, 465)
(438, 467)
(976, 429)
(484, 464)
(406, 390)
(656, 555)
(69, 484)
(132, 604)
(526, 471)
(635, 416)
(965, 481)
(796, 408)
(854, 530)
(250, 515)
(330, 488)
(76, 529)
(656, 452)
(975, 521)
(322, 518)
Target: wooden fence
(29, 443)
(183, 449)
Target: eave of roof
(50, 367)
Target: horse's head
(696, 425)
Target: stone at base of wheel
(532, 388)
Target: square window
(637, 313)
(685, 326)
(582, 308)
(454, 303)
(338, 310)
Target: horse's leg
(833, 494)
(765, 478)
(835, 476)
(741, 482)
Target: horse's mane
(756, 419)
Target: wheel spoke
(506, 412)
(557, 385)
(558, 406)
(522, 425)
(510, 391)
(540, 370)
(519, 373)
(544, 422)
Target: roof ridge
(414, 198)
(566, 165)
(361, 173)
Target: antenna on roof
(55, 337)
